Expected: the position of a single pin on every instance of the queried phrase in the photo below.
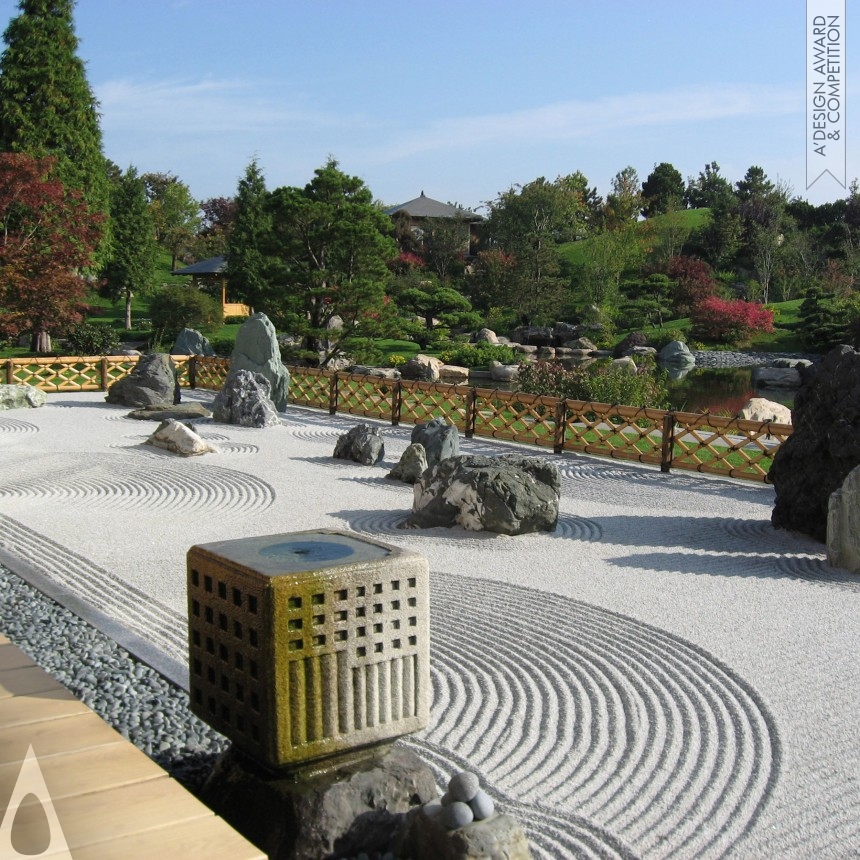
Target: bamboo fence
(700, 442)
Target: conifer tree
(131, 269)
(47, 107)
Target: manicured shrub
(176, 308)
(477, 354)
(88, 338)
(730, 320)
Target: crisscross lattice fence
(673, 440)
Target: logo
(18, 843)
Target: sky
(460, 100)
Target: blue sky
(459, 99)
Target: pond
(721, 391)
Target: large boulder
(190, 342)
(424, 368)
(562, 332)
(178, 438)
(377, 372)
(582, 344)
(245, 400)
(776, 377)
(440, 439)
(362, 444)
(257, 350)
(152, 382)
(843, 524)
(453, 373)
(411, 466)
(533, 335)
(486, 335)
(504, 372)
(625, 365)
(762, 409)
(509, 495)
(634, 339)
(677, 353)
(21, 397)
(825, 446)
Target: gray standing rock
(677, 353)
(509, 495)
(257, 350)
(245, 400)
(411, 466)
(190, 342)
(362, 444)
(440, 439)
(152, 382)
(824, 447)
(21, 397)
(843, 524)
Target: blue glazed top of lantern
(276, 555)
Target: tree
(250, 231)
(624, 201)
(330, 246)
(708, 189)
(695, 282)
(131, 268)
(662, 190)
(47, 235)
(46, 105)
(213, 234)
(754, 184)
(421, 293)
(175, 213)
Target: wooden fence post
(192, 372)
(396, 403)
(471, 412)
(10, 372)
(332, 395)
(667, 450)
(104, 373)
(560, 421)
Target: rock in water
(244, 400)
(440, 439)
(257, 350)
(509, 495)
(190, 342)
(362, 444)
(824, 447)
(843, 524)
(173, 436)
(676, 352)
(21, 397)
(153, 381)
(412, 465)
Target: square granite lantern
(308, 644)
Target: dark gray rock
(181, 412)
(21, 397)
(190, 342)
(362, 444)
(411, 466)
(257, 350)
(152, 382)
(533, 335)
(245, 400)
(440, 439)
(359, 805)
(776, 377)
(824, 447)
(635, 338)
(509, 495)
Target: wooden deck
(110, 799)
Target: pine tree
(131, 269)
(249, 233)
(47, 107)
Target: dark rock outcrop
(153, 381)
(825, 444)
(362, 444)
(439, 438)
(245, 400)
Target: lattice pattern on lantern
(307, 644)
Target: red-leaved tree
(695, 281)
(729, 321)
(48, 236)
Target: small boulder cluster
(464, 802)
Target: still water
(721, 391)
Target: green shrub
(477, 354)
(660, 338)
(598, 383)
(395, 359)
(88, 338)
(235, 320)
(176, 308)
(222, 346)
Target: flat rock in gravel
(180, 412)
(177, 438)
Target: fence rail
(700, 442)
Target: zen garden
(334, 527)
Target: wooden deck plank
(201, 839)
(79, 732)
(51, 705)
(25, 681)
(12, 657)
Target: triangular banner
(31, 781)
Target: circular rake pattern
(10, 427)
(567, 706)
(123, 483)
(577, 528)
(327, 435)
